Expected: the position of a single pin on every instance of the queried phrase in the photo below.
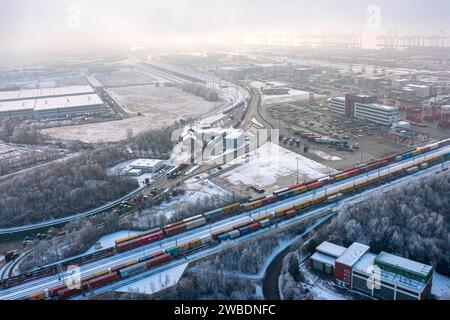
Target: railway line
(303, 204)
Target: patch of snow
(108, 241)
(270, 162)
(293, 95)
(157, 282)
(325, 155)
(441, 285)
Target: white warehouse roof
(44, 92)
(330, 249)
(16, 105)
(146, 163)
(68, 102)
(353, 254)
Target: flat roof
(379, 106)
(146, 162)
(16, 105)
(421, 86)
(366, 265)
(352, 254)
(323, 258)
(68, 102)
(405, 264)
(330, 249)
(44, 92)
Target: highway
(23, 290)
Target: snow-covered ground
(294, 95)
(108, 241)
(195, 191)
(272, 166)
(157, 282)
(320, 289)
(441, 286)
(325, 155)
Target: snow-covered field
(123, 78)
(294, 95)
(195, 191)
(273, 167)
(169, 102)
(108, 241)
(157, 282)
(325, 155)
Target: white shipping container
(196, 223)
(264, 223)
(199, 216)
(234, 234)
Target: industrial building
(420, 91)
(384, 276)
(50, 103)
(147, 165)
(365, 108)
(303, 74)
(44, 93)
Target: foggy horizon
(46, 26)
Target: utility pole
(297, 170)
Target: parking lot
(343, 142)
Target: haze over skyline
(46, 25)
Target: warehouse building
(27, 94)
(383, 276)
(68, 106)
(378, 113)
(23, 109)
(50, 103)
(147, 165)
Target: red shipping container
(157, 254)
(154, 262)
(122, 266)
(129, 245)
(100, 281)
(53, 292)
(255, 226)
(291, 213)
(152, 237)
(175, 230)
(67, 293)
(269, 200)
(315, 185)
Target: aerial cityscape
(224, 150)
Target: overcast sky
(27, 25)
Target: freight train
(265, 220)
(178, 227)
